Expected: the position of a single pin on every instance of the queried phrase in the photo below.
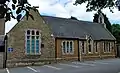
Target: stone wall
(100, 54)
(86, 56)
(59, 54)
(29, 62)
(16, 39)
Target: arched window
(90, 45)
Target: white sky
(66, 9)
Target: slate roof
(69, 28)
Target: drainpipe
(5, 54)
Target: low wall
(39, 62)
(88, 58)
(29, 62)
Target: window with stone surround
(96, 46)
(67, 47)
(83, 47)
(106, 47)
(90, 46)
(32, 42)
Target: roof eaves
(110, 33)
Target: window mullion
(66, 47)
(30, 43)
(72, 47)
(69, 47)
(40, 43)
(35, 43)
(26, 42)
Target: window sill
(90, 53)
(32, 54)
(83, 53)
(107, 52)
(96, 52)
(67, 53)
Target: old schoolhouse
(54, 38)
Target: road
(98, 66)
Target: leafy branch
(18, 6)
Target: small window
(28, 32)
(37, 37)
(89, 48)
(28, 37)
(83, 49)
(71, 46)
(63, 47)
(67, 47)
(104, 47)
(90, 45)
(33, 37)
(96, 48)
(33, 33)
(109, 47)
(37, 32)
(89, 41)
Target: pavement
(98, 66)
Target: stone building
(49, 38)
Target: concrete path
(98, 66)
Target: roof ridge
(70, 19)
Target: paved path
(98, 66)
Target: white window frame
(107, 48)
(111, 45)
(104, 47)
(81, 47)
(31, 41)
(66, 47)
(96, 46)
(91, 43)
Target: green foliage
(14, 1)
(106, 21)
(19, 6)
(95, 5)
(116, 31)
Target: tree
(18, 6)
(106, 21)
(116, 32)
(95, 5)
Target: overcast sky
(66, 9)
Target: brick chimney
(2, 26)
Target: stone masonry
(16, 39)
